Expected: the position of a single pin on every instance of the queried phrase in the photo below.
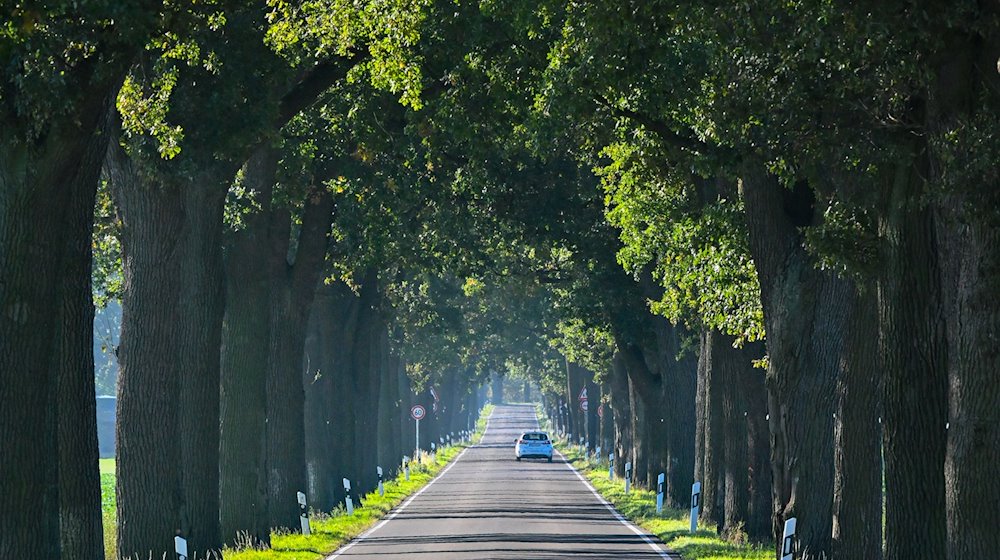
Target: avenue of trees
(765, 236)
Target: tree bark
(622, 410)
(804, 319)
(857, 489)
(79, 482)
(45, 184)
(244, 358)
(292, 292)
(914, 353)
(714, 460)
(149, 490)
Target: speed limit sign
(418, 412)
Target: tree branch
(317, 80)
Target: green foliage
(387, 30)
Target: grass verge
(672, 526)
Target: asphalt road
(487, 506)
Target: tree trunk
(202, 306)
(79, 482)
(149, 461)
(967, 85)
(713, 463)
(701, 409)
(731, 369)
(680, 370)
(45, 184)
(292, 293)
(593, 422)
(804, 317)
(857, 489)
(758, 524)
(622, 410)
(914, 354)
(244, 356)
(973, 453)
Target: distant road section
(487, 506)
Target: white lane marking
(397, 511)
(611, 508)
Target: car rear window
(535, 437)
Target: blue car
(533, 444)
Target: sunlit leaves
(387, 30)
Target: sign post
(303, 513)
(181, 547)
(381, 489)
(628, 475)
(348, 500)
(659, 493)
(417, 412)
(695, 505)
(788, 540)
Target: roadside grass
(672, 526)
(330, 530)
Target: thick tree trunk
(914, 356)
(593, 422)
(621, 408)
(713, 464)
(973, 453)
(202, 305)
(328, 443)
(79, 480)
(365, 384)
(497, 388)
(171, 242)
(968, 85)
(804, 317)
(148, 453)
(680, 370)
(731, 370)
(857, 489)
(575, 382)
(292, 293)
(758, 525)
(45, 184)
(700, 406)
(246, 333)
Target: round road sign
(418, 412)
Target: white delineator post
(181, 548)
(381, 488)
(611, 466)
(788, 540)
(348, 500)
(406, 468)
(659, 493)
(695, 505)
(303, 513)
(434, 451)
(628, 476)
